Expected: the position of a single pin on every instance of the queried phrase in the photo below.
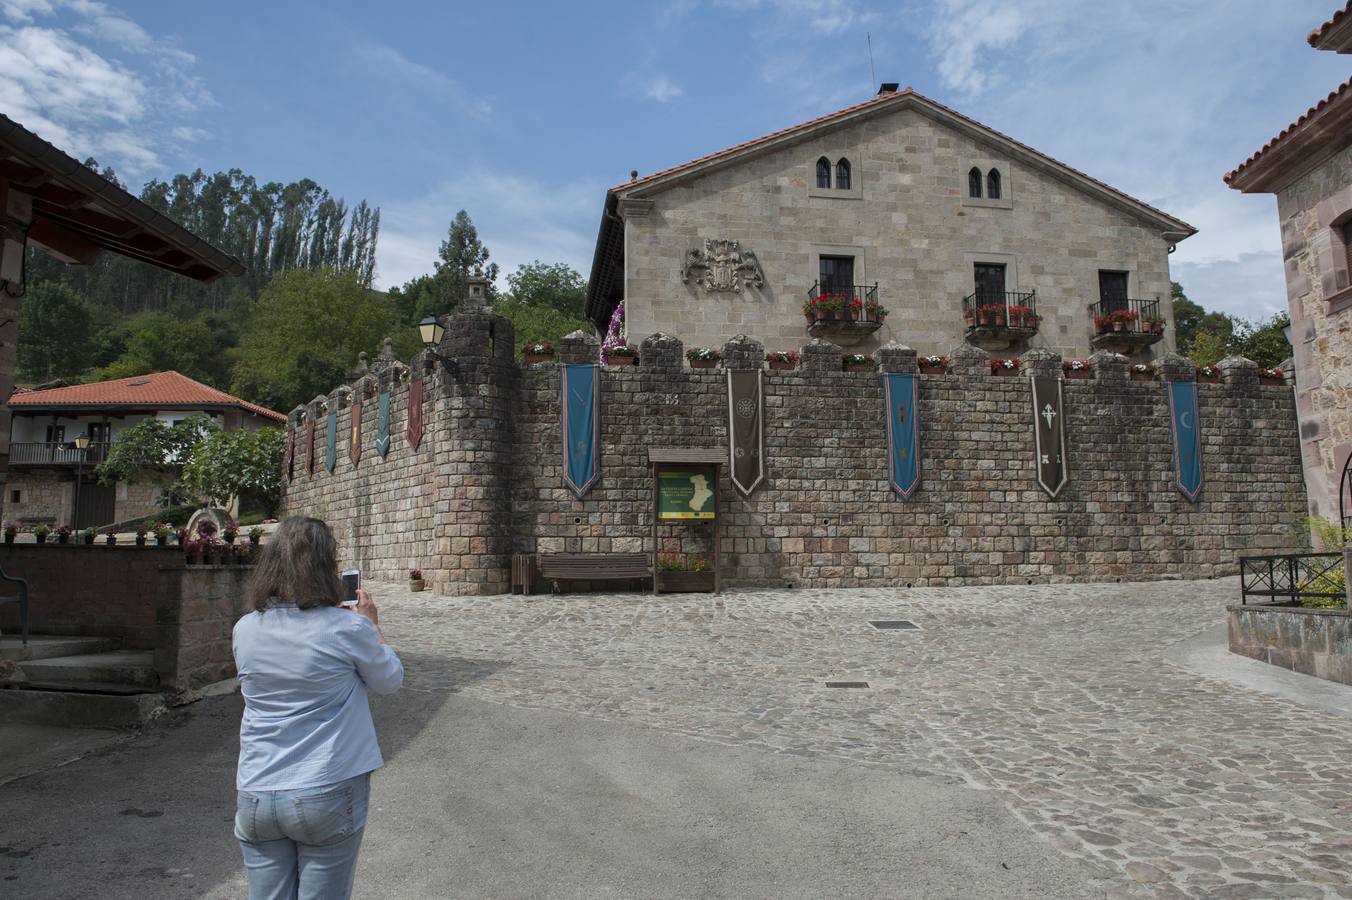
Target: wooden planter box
(539, 357)
(1002, 372)
(685, 582)
(622, 361)
(703, 363)
(1208, 379)
(859, 367)
(1079, 374)
(782, 366)
(1266, 379)
(931, 370)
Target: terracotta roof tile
(1334, 20)
(161, 389)
(1312, 111)
(878, 101)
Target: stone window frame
(833, 158)
(985, 165)
(1331, 247)
(817, 251)
(1010, 261)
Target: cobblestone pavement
(1057, 698)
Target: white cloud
(110, 103)
(663, 89)
(388, 61)
(963, 33)
(519, 220)
(827, 17)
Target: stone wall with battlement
(486, 481)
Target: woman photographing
(307, 742)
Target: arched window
(843, 174)
(993, 184)
(974, 182)
(823, 173)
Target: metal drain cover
(894, 625)
(846, 684)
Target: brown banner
(310, 446)
(415, 396)
(354, 445)
(1049, 433)
(289, 452)
(746, 429)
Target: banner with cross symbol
(1049, 434)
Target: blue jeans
(302, 844)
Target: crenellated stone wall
(486, 481)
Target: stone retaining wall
(1311, 641)
(486, 481)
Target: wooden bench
(558, 567)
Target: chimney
(888, 87)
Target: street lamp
(431, 331)
(80, 445)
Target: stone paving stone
(1058, 698)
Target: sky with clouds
(523, 113)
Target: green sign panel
(685, 495)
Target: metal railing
(1291, 577)
(1134, 315)
(50, 453)
(1013, 309)
(866, 292)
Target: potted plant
(1118, 322)
(782, 360)
(999, 316)
(230, 532)
(10, 531)
(255, 535)
(1208, 374)
(415, 580)
(1102, 324)
(623, 355)
(1028, 318)
(856, 308)
(932, 363)
(110, 535)
(1142, 372)
(1005, 366)
(192, 551)
(539, 351)
(703, 357)
(64, 534)
(40, 533)
(162, 532)
(857, 362)
(684, 572)
(206, 530)
(874, 311)
(842, 313)
(1271, 376)
(970, 317)
(1156, 324)
(1077, 369)
(141, 533)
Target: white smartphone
(351, 581)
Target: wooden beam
(68, 247)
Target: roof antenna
(872, 77)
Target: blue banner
(331, 442)
(1187, 435)
(901, 395)
(580, 426)
(383, 422)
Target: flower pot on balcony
(1118, 326)
(840, 315)
(971, 321)
(110, 540)
(983, 319)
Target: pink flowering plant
(614, 334)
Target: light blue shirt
(304, 674)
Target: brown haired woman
(307, 745)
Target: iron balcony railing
(1291, 577)
(865, 292)
(49, 453)
(1013, 309)
(1134, 315)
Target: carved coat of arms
(722, 265)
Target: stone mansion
(914, 222)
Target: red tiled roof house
(43, 463)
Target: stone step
(79, 709)
(47, 646)
(135, 668)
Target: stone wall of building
(486, 481)
(45, 497)
(1319, 295)
(911, 228)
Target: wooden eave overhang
(1322, 131)
(77, 213)
(1336, 33)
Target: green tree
(1208, 348)
(304, 335)
(160, 342)
(152, 449)
(555, 285)
(229, 464)
(55, 333)
(1263, 342)
(538, 323)
(460, 255)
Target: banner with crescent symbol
(415, 423)
(901, 397)
(354, 439)
(331, 441)
(1186, 430)
(383, 422)
(1049, 434)
(580, 426)
(289, 452)
(310, 445)
(746, 429)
